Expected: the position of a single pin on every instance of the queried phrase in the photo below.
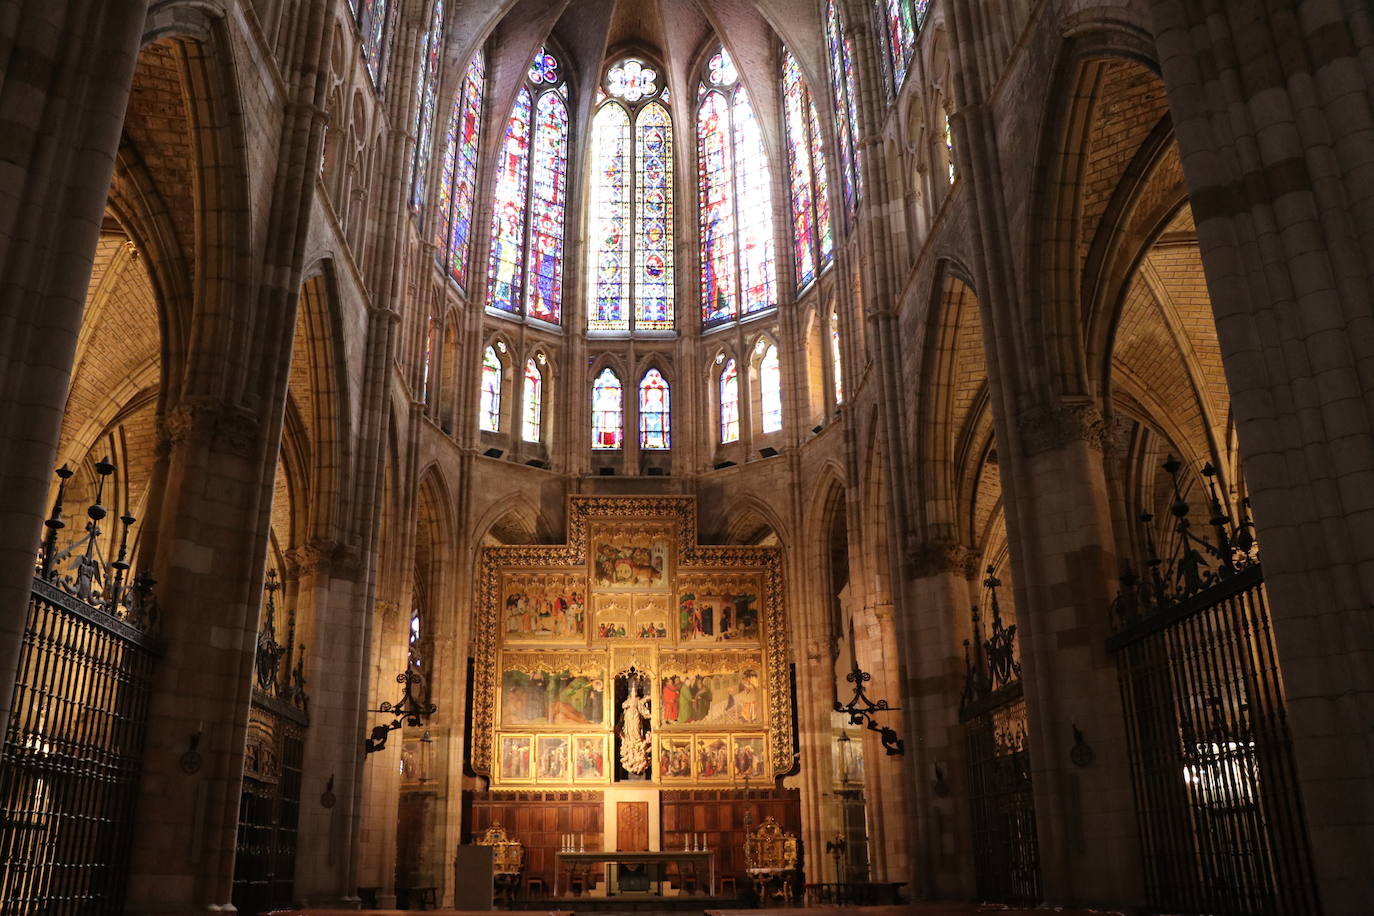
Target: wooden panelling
(538, 820)
(720, 814)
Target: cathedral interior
(710, 452)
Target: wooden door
(632, 826)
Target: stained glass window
(836, 366)
(770, 390)
(630, 214)
(654, 415)
(458, 176)
(548, 200)
(490, 408)
(898, 36)
(504, 266)
(812, 240)
(729, 402)
(842, 93)
(525, 267)
(949, 147)
(607, 411)
(372, 23)
(426, 98)
(735, 200)
(653, 279)
(534, 402)
(608, 248)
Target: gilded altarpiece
(703, 626)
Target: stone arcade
(783, 449)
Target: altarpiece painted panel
(631, 595)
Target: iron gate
(1006, 852)
(1217, 800)
(71, 759)
(273, 755)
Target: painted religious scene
(713, 690)
(631, 654)
(545, 607)
(718, 609)
(533, 694)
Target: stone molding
(212, 423)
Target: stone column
(885, 776)
(65, 71)
(332, 603)
(381, 778)
(1065, 577)
(1273, 114)
(940, 591)
(212, 537)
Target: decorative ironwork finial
(990, 664)
(87, 576)
(1195, 562)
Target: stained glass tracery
(426, 96)
(458, 174)
(630, 214)
(525, 266)
(607, 411)
(654, 413)
(735, 200)
(813, 242)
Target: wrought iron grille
(269, 805)
(1220, 813)
(1006, 849)
(72, 751)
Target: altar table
(660, 858)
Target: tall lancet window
(735, 202)
(836, 361)
(532, 426)
(630, 213)
(655, 418)
(426, 101)
(489, 410)
(729, 402)
(608, 411)
(458, 175)
(842, 95)
(813, 244)
(372, 25)
(525, 269)
(770, 389)
(900, 21)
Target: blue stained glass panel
(654, 219)
(548, 202)
(508, 211)
(608, 218)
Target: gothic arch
(1100, 60)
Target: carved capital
(211, 423)
(1046, 428)
(935, 558)
(315, 557)
(389, 611)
